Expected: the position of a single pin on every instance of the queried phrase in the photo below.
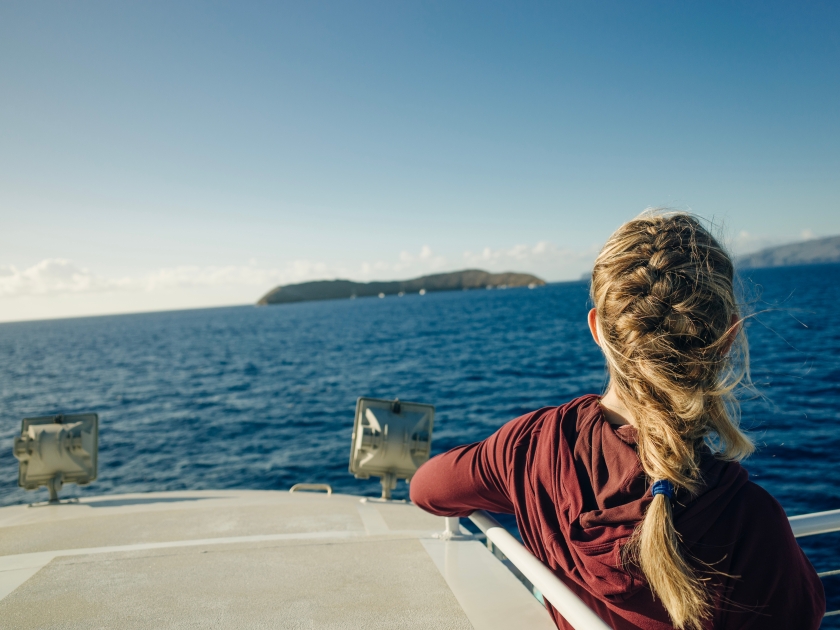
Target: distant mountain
(344, 289)
(813, 252)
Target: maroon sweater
(576, 487)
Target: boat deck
(249, 559)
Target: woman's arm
(474, 476)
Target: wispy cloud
(51, 276)
(197, 276)
(544, 258)
(746, 242)
(57, 276)
(423, 262)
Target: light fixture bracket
(58, 449)
(391, 440)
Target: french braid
(669, 327)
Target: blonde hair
(669, 327)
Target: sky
(160, 155)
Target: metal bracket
(452, 531)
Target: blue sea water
(251, 397)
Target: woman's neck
(614, 410)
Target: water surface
(250, 397)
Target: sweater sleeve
(474, 476)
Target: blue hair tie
(663, 486)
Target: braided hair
(669, 327)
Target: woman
(636, 499)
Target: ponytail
(669, 328)
(657, 547)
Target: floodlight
(391, 439)
(54, 450)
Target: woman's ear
(593, 325)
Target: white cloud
(748, 242)
(58, 287)
(544, 259)
(51, 276)
(195, 276)
(54, 276)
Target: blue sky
(173, 155)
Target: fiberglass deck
(249, 559)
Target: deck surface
(249, 559)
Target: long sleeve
(471, 477)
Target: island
(813, 252)
(347, 289)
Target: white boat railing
(817, 523)
(813, 524)
(564, 600)
(568, 604)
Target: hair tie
(663, 486)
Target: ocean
(248, 397)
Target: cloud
(747, 242)
(50, 276)
(58, 276)
(252, 274)
(196, 276)
(544, 258)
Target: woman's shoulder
(754, 497)
(769, 573)
(731, 508)
(583, 408)
(574, 407)
(745, 501)
(754, 520)
(761, 508)
(568, 419)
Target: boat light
(391, 440)
(54, 450)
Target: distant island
(813, 252)
(346, 289)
